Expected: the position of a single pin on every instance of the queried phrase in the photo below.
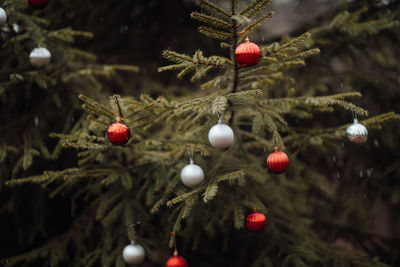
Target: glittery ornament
(176, 261)
(256, 221)
(3, 17)
(357, 133)
(118, 133)
(277, 161)
(133, 253)
(39, 4)
(40, 56)
(220, 135)
(192, 175)
(247, 53)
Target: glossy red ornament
(118, 133)
(256, 221)
(39, 4)
(247, 54)
(176, 261)
(277, 162)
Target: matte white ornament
(192, 175)
(357, 133)
(3, 17)
(221, 135)
(40, 56)
(133, 253)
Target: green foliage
(116, 187)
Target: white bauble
(357, 133)
(3, 17)
(40, 56)
(220, 135)
(192, 175)
(133, 253)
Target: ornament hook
(244, 32)
(355, 116)
(219, 118)
(190, 153)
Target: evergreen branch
(47, 175)
(105, 204)
(253, 26)
(321, 101)
(258, 126)
(112, 215)
(95, 106)
(296, 41)
(258, 8)
(219, 35)
(212, 7)
(210, 192)
(305, 54)
(219, 105)
(176, 57)
(212, 21)
(255, 4)
(189, 205)
(182, 197)
(230, 176)
(378, 121)
(198, 63)
(130, 68)
(277, 140)
(238, 217)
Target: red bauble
(247, 54)
(176, 261)
(277, 162)
(256, 221)
(118, 133)
(38, 4)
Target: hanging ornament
(256, 221)
(277, 161)
(176, 260)
(247, 53)
(3, 17)
(133, 253)
(118, 133)
(40, 56)
(192, 175)
(220, 135)
(39, 4)
(357, 133)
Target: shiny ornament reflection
(357, 133)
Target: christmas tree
(206, 161)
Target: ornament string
(175, 249)
(118, 110)
(244, 33)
